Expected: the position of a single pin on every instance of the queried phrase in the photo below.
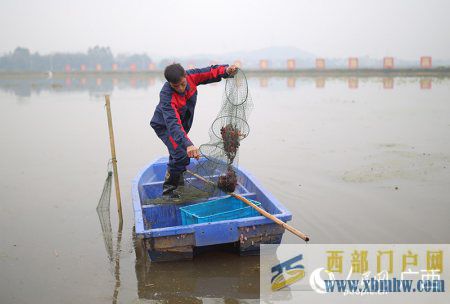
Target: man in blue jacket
(174, 114)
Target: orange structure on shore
(388, 62)
(291, 64)
(353, 63)
(320, 63)
(426, 62)
(263, 64)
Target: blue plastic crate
(217, 210)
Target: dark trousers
(178, 158)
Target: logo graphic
(287, 273)
(317, 283)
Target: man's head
(176, 76)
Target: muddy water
(355, 160)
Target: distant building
(263, 64)
(133, 67)
(67, 68)
(291, 64)
(320, 63)
(98, 68)
(388, 62)
(353, 63)
(425, 62)
(115, 66)
(151, 66)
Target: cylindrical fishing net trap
(226, 133)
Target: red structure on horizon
(353, 63)
(291, 64)
(263, 64)
(320, 63)
(67, 68)
(133, 67)
(388, 62)
(426, 62)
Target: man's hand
(192, 151)
(232, 70)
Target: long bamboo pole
(260, 210)
(113, 157)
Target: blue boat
(165, 238)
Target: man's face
(179, 86)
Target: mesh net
(104, 213)
(226, 133)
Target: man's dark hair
(174, 73)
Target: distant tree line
(21, 59)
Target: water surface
(355, 160)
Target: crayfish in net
(216, 169)
(231, 137)
(227, 182)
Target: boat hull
(159, 228)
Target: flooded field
(356, 160)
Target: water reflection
(388, 83)
(212, 274)
(425, 84)
(117, 263)
(99, 85)
(216, 272)
(291, 82)
(353, 83)
(263, 82)
(320, 83)
(104, 215)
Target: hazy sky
(333, 28)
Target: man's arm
(173, 121)
(210, 74)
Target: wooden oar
(260, 210)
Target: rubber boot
(181, 180)
(171, 183)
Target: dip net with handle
(227, 131)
